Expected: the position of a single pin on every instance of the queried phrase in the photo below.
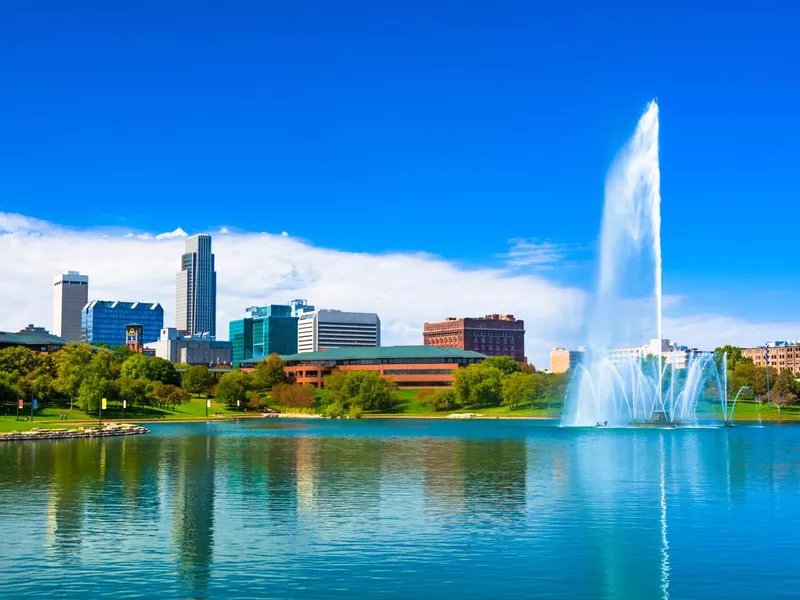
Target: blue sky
(447, 127)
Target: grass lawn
(749, 411)
(48, 417)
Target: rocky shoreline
(108, 430)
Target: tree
(138, 366)
(444, 399)
(365, 388)
(269, 373)
(18, 360)
(374, 392)
(478, 385)
(161, 370)
(334, 385)
(519, 388)
(135, 392)
(169, 396)
(335, 410)
(71, 365)
(233, 387)
(134, 367)
(8, 391)
(255, 400)
(293, 395)
(734, 356)
(97, 381)
(197, 380)
(785, 389)
(506, 364)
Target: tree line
(783, 389)
(498, 380)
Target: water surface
(403, 508)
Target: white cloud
(535, 255)
(404, 289)
(709, 331)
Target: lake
(403, 508)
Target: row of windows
(389, 361)
(418, 371)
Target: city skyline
(135, 264)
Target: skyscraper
(196, 289)
(70, 295)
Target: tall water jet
(610, 387)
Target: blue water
(402, 509)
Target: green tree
(440, 400)
(134, 367)
(734, 356)
(520, 388)
(269, 373)
(8, 391)
(335, 410)
(367, 389)
(233, 387)
(293, 395)
(169, 396)
(71, 364)
(135, 392)
(97, 381)
(197, 380)
(373, 391)
(478, 385)
(18, 360)
(785, 389)
(161, 370)
(506, 364)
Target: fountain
(636, 387)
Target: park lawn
(47, 417)
(749, 411)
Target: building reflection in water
(192, 495)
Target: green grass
(47, 417)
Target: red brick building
(493, 335)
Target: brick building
(783, 356)
(493, 335)
(406, 366)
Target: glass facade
(269, 329)
(103, 322)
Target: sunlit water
(403, 509)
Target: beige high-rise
(70, 295)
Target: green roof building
(35, 338)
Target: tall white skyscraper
(70, 295)
(196, 288)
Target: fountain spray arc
(622, 387)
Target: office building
(70, 295)
(105, 321)
(782, 355)
(493, 335)
(324, 329)
(673, 354)
(176, 347)
(265, 330)
(196, 288)
(562, 360)
(406, 366)
(300, 306)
